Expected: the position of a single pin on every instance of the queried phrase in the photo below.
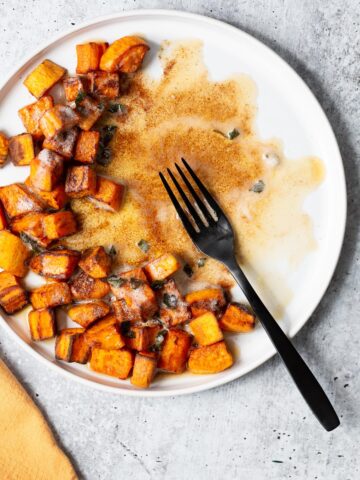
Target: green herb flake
(169, 300)
(79, 98)
(101, 105)
(258, 187)
(35, 247)
(116, 281)
(188, 270)
(144, 246)
(233, 134)
(201, 262)
(117, 108)
(135, 283)
(112, 251)
(157, 284)
(159, 340)
(125, 329)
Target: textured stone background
(236, 431)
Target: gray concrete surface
(239, 430)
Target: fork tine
(186, 222)
(196, 197)
(188, 204)
(213, 204)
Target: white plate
(296, 118)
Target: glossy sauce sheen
(181, 115)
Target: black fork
(213, 235)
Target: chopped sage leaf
(125, 329)
(157, 284)
(201, 262)
(117, 108)
(144, 246)
(188, 270)
(101, 105)
(112, 251)
(159, 340)
(135, 283)
(258, 187)
(169, 300)
(106, 134)
(233, 134)
(116, 281)
(79, 98)
(35, 247)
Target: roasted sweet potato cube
(237, 318)
(143, 371)
(57, 119)
(104, 84)
(108, 194)
(80, 350)
(58, 264)
(4, 148)
(46, 170)
(124, 55)
(56, 199)
(17, 200)
(12, 296)
(175, 350)
(42, 324)
(43, 77)
(105, 334)
(30, 115)
(87, 313)
(173, 308)
(125, 312)
(70, 346)
(32, 226)
(13, 254)
(87, 146)
(84, 287)
(80, 181)
(21, 149)
(59, 224)
(206, 329)
(208, 300)
(74, 88)
(90, 110)
(89, 55)
(96, 262)
(62, 143)
(210, 359)
(3, 221)
(162, 267)
(117, 363)
(139, 338)
(51, 295)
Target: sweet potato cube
(206, 329)
(208, 300)
(58, 264)
(30, 115)
(12, 296)
(162, 267)
(17, 200)
(42, 324)
(21, 149)
(59, 224)
(104, 84)
(32, 226)
(108, 194)
(90, 110)
(139, 338)
(89, 55)
(210, 359)
(87, 313)
(46, 170)
(62, 143)
(80, 181)
(43, 77)
(116, 363)
(173, 308)
(13, 254)
(50, 295)
(3, 222)
(96, 262)
(87, 146)
(143, 371)
(4, 148)
(80, 350)
(175, 350)
(124, 55)
(237, 318)
(57, 119)
(70, 346)
(56, 199)
(105, 334)
(74, 88)
(84, 287)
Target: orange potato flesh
(12, 296)
(108, 194)
(4, 148)
(96, 262)
(84, 287)
(87, 147)
(80, 350)
(162, 267)
(143, 371)
(64, 345)
(3, 221)
(90, 110)
(50, 295)
(117, 363)
(13, 254)
(210, 359)
(30, 115)
(56, 199)
(104, 84)
(80, 181)
(237, 318)
(57, 119)
(172, 315)
(43, 77)
(58, 264)
(105, 334)
(62, 143)
(208, 300)
(42, 324)
(175, 350)
(206, 329)
(46, 170)
(124, 55)
(140, 338)
(87, 313)
(89, 55)
(59, 224)
(17, 200)
(21, 149)
(74, 86)
(32, 226)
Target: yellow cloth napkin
(28, 450)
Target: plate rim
(231, 375)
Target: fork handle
(304, 379)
